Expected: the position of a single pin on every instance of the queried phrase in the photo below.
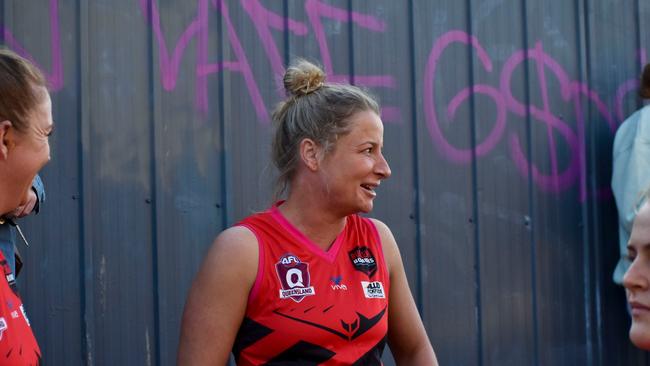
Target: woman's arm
(407, 337)
(217, 300)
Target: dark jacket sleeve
(37, 186)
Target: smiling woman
(637, 277)
(25, 124)
(309, 281)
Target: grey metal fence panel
(117, 186)
(554, 163)
(188, 152)
(556, 152)
(249, 94)
(499, 120)
(507, 273)
(448, 233)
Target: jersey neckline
(329, 254)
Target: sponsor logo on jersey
(373, 290)
(10, 278)
(336, 283)
(294, 278)
(14, 314)
(363, 260)
(3, 326)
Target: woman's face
(637, 278)
(29, 150)
(351, 172)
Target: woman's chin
(366, 208)
(640, 335)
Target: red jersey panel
(315, 307)
(18, 346)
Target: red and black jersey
(314, 307)
(18, 346)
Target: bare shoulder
(236, 239)
(229, 267)
(388, 244)
(235, 251)
(407, 337)
(382, 228)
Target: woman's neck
(313, 218)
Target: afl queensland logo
(363, 260)
(294, 278)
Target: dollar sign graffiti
(557, 179)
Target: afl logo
(363, 260)
(294, 278)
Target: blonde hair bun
(302, 77)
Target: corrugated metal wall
(499, 115)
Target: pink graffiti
(440, 142)
(241, 64)
(264, 21)
(198, 28)
(169, 65)
(627, 87)
(579, 94)
(315, 10)
(556, 181)
(55, 75)
(561, 173)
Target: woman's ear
(310, 153)
(6, 139)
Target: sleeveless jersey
(314, 307)
(18, 346)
